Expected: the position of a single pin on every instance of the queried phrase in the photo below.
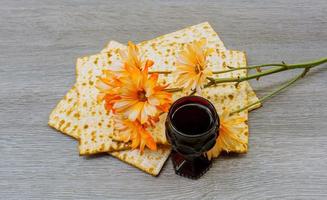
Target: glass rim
(212, 111)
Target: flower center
(141, 95)
(198, 68)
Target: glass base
(192, 169)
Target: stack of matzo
(82, 117)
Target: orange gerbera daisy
(141, 97)
(231, 135)
(110, 83)
(132, 57)
(136, 132)
(191, 66)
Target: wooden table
(40, 41)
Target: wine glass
(192, 127)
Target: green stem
(224, 71)
(275, 69)
(279, 68)
(173, 90)
(160, 72)
(268, 96)
(247, 68)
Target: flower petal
(134, 112)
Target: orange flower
(108, 86)
(191, 67)
(141, 98)
(231, 135)
(135, 97)
(136, 132)
(132, 57)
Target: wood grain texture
(40, 41)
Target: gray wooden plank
(40, 40)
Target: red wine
(192, 126)
(192, 119)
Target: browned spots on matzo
(77, 115)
